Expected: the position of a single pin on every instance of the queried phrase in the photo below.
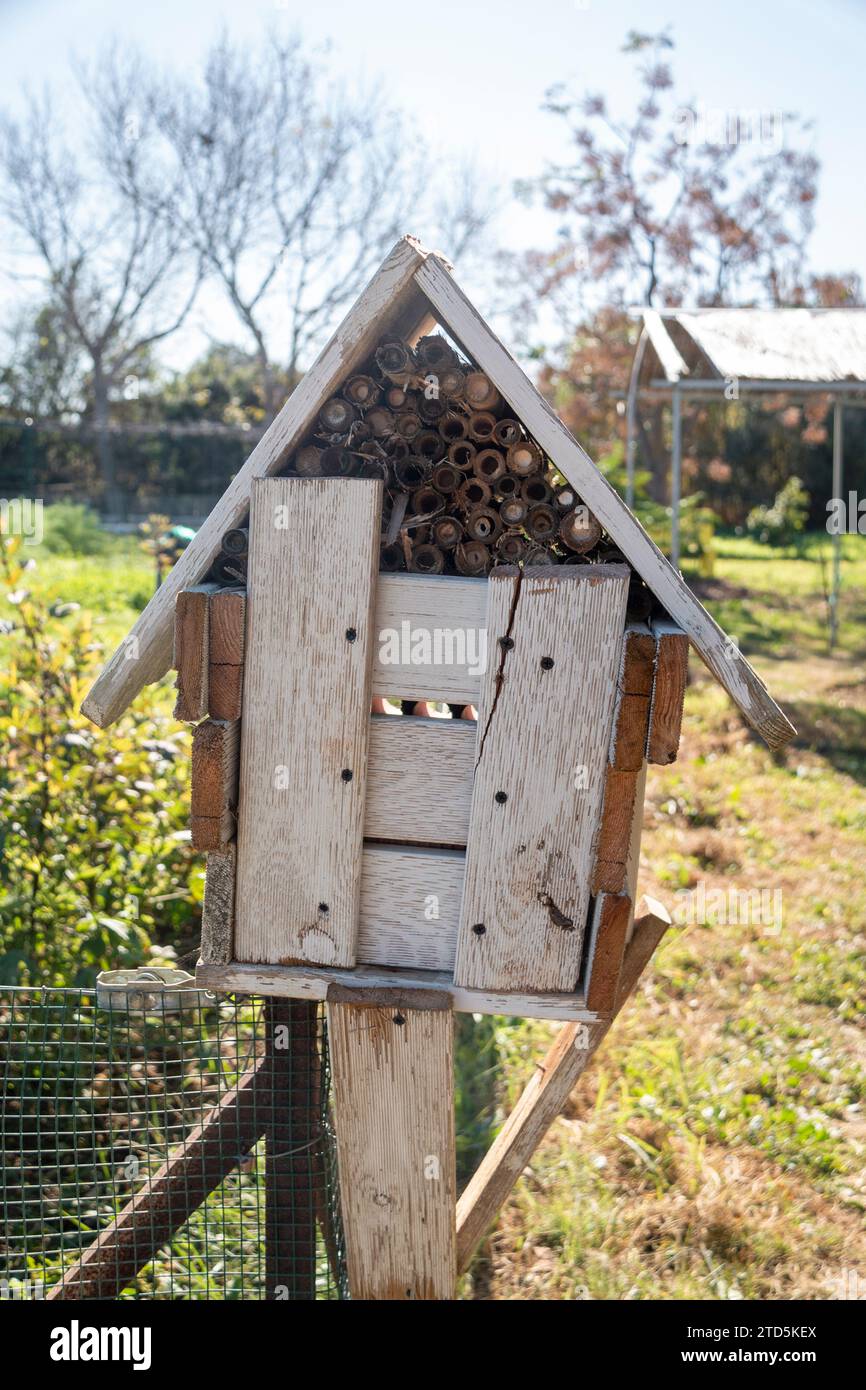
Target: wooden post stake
(394, 1105)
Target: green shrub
(784, 522)
(73, 529)
(93, 844)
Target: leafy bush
(72, 529)
(784, 522)
(91, 824)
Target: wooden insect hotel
(417, 527)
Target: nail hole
(479, 929)
(547, 663)
(351, 634)
(347, 774)
(501, 797)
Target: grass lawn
(715, 1148)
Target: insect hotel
(429, 653)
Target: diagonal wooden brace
(546, 1094)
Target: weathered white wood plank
(419, 780)
(394, 1112)
(309, 982)
(431, 637)
(313, 554)
(390, 303)
(544, 729)
(410, 906)
(728, 666)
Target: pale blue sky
(473, 78)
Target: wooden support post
(544, 1097)
(306, 718)
(168, 1199)
(392, 1070)
(543, 731)
(294, 1175)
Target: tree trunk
(112, 502)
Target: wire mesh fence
(178, 1148)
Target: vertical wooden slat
(610, 928)
(626, 772)
(543, 734)
(313, 551)
(191, 652)
(669, 690)
(392, 1071)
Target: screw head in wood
(506, 643)
(347, 774)
(351, 634)
(501, 797)
(547, 663)
(479, 929)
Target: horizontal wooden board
(410, 905)
(430, 637)
(419, 780)
(310, 982)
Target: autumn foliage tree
(667, 204)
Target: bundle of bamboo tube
(466, 487)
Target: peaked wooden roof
(413, 289)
